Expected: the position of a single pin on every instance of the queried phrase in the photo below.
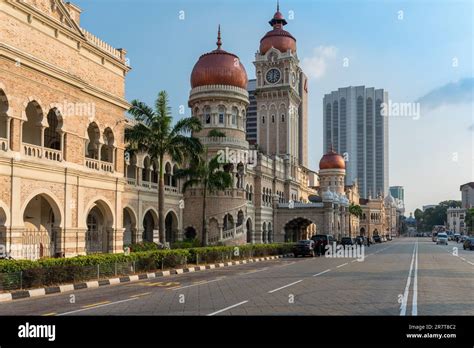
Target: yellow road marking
(49, 314)
(143, 294)
(95, 304)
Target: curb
(125, 279)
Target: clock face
(273, 75)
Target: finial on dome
(219, 42)
(278, 5)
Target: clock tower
(279, 96)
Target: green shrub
(186, 244)
(143, 246)
(51, 271)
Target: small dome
(219, 67)
(389, 200)
(327, 196)
(332, 160)
(278, 37)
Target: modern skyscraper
(251, 126)
(354, 126)
(397, 192)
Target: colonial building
(455, 220)
(68, 187)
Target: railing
(99, 165)
(37, 151)
(154, 186)
(37, 244)
(101, 44)
(145, 184)
(171, 189)
(3, 144)
(213, 239)
(53, 155)
(301, 205)
(239, 229)
(222, 141)
(131, 181)
(228, 233)
(33, 150)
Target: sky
(419, 51)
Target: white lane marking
(227, 308)
(414, 304)
(104, 305)
(254, 271)
(274, 290)
(197, 284)
(317, 274)
(354, 261)
(341, 265)
(403, 307)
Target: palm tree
(356, 210)
(155, 134)
(210, 177)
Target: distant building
(251, 125)
(425, 207)
(455, 220)
(354, 126)
(397, 192)
(467, 194)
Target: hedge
(49, 271)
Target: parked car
(442, 238)
(468, 243)
(377, 239)
(463, 238)
(347, 241)
(360, 240)
(456, 237)
(450, 235)
(304, 248)
(320, 242)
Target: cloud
(459, 92)
(316, 65)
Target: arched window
(282, 117)
(168, 174)
(221, 114)
(207, 115)
(3, 117)
(235, 114)
(32, 127)
(263, 119)
(92, 148)
(146, 169)
(107, 149)
(52, 137)
(174, 181)
(273, 118)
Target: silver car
(442, 238)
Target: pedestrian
(368, 241)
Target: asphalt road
(407, 276)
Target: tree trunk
(204, 222)
(161, 203)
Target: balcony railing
(33, 150)
(171, 189)
(53, 155)
(131, 181)
(99, 165)
(3, 144)
(37, 151)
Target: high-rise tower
(281, 116)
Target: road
(407, 276)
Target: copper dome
(332, 160)
(219, 67)
(278, 37)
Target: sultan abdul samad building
(67, 186)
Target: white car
(442, 238)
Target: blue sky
(424, 53)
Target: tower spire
(278, 5)
(219, 42)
